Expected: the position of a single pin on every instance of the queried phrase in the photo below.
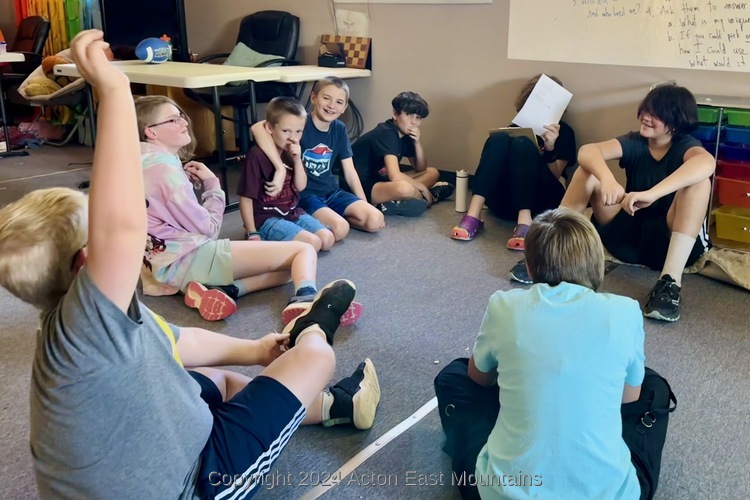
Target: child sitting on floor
(545, 394)
(277, 217)
(324, 143)
(377, 155)
(110, 393)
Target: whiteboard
(695, 34)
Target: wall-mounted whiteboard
(697, 34)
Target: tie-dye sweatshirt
(177, 223)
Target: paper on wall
(351, 23)
(545, 105)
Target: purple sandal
(467, 229)
(517, 241)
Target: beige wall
(455, 57)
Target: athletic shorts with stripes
(249, 432)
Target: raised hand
(87, 51)
(415, 133)
(198, 172)
(552, 132)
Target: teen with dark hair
(377, 155)
(657, 219)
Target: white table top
(182, 75)
(12, 57)
(310, 73)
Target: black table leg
(8, 152)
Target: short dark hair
(280, 106)
(563, 245)
(673, 105)
(410, 103)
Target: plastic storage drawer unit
(739, 117)
(736, 135)
(733, 223)
(733, 170)
(705, 133)
(733, 192)
(708, 115)
(734, 152)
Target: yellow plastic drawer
(733, 223)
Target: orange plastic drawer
(733, 192)
(733, 223)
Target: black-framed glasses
(175, 119)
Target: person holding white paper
(518, 179)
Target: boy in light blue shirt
(564, 358)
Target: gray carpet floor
(424, 296)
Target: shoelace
(665, 292)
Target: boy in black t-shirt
(377, 155)
(657, 219)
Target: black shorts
(249, 432)
(642, 239)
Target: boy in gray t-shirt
(114, 412)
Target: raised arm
(418, 161)
(117, 212)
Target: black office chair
(268, 32)
(30, 38)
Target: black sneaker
(230, 290)
(664, 300)
(356, 398)
(326, 310)
(441, 191)
(404, 208)
(520, 274)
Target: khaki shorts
(211, 265)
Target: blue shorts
(278, 229)
(248, 434)
(338, 201)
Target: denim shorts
(338, 201)
(278, 229)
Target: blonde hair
(328, 81)
(525, 91)
(147, 110)
(563, 245)
(279, 107)
(40, 235)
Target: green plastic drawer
(708, 115)
(739, 117)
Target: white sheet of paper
(352, 23)
(545, 105)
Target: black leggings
(468, 413)
(512, 176)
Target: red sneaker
(212, 304)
